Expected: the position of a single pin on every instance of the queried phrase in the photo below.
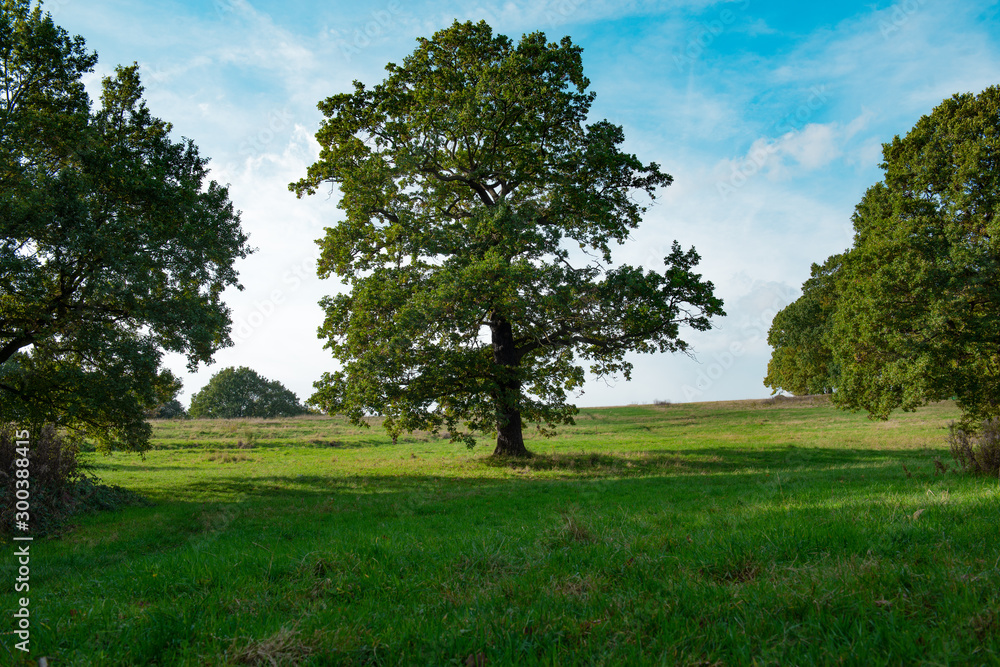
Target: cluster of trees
(468, 176)
(480, 211)
(911, 312)
(172, 409)
(114, 248)
(234, 393)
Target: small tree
(168, 405)
(977, 453)
(480, 214)
(241, 392)
(61, 485)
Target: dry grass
(223, 457)
(282, 648)
(977, 453)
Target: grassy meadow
(754, 532)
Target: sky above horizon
(769, 115)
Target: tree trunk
(510, 440)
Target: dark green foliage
(480, 212)
(172, 409)
(241, 392)
(977, 453)
(114, 246)
(169, 408)
(802, 362)
(915, 312)
(59, 486)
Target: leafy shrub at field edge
(55, 485)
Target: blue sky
(769, 115)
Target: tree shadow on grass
(819, 467)
(806, 465)
(700, 461)
(140, 467)
(230, 443)
(309, 486)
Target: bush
(59, 484)
(977, 453)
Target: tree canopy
(172, 409)
(115, 247)
(916, 316)
(479, 214)
(802, 362)
(240, 392)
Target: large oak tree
(114, 245)
(480, 210)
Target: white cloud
(756, 28)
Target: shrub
(977, 453)
(59, 485)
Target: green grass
(776, 533)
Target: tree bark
(510, 439)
